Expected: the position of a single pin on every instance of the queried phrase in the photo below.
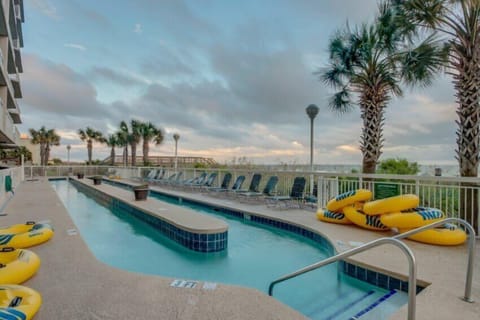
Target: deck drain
(178, 283)
(72, 232)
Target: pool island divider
(188, 228)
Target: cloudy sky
(233, 78)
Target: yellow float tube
(363, 220)
(17, 265)
(25, 235)
(332, 217)
(411, 219)
(391, 204)
(449, 235)
(348, 198)
(18, 302)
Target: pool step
(354, 305)
(373, 305)
(345, 308)
(386, 307)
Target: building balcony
(9, 134)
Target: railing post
(320, 192)
(471, 249)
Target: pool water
(256, 255)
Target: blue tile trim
(57, 179)
(376, 278)
(195, 241)
(363, 274)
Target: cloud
(166, 63)
(55, 90)
(45, 7)
(79, 11)
(138, 28)
(75, 46)
(120, 78)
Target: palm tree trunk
(133, 148)
(112, 156)
(371, 140)
(467, 85)
(42, 154)
(89, 150)
(125, 155)
(46, 153)
(145, 151)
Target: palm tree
(45, 138)
(149, 132)
(38, 137)
(122, 137)
(134, 139)
(112, 142)
(17, 153)
(51, 139)
(90, 135)
(459, 21)
(371, 62)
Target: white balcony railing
(18, 12)
(8, 127)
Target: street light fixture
(68, 153)
(176, 136)
(68, 156)
(312, 111)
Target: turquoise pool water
(256, 255)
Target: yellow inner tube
(363, 220)
(411, 219)
(332, 217)
(18, 302)
(392, 204)
(25, 235)
(348, 198)
(17, 266)
(440, 236)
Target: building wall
(34, 149)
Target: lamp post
(68, 153)
(312, 111)
(68, 157)
(176, 136)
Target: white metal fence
(457, 197)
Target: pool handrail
(471, 249)
(412, 277)
(412, 269)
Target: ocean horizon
(425, 169)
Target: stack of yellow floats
(18, 265)
(399, 212)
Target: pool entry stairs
(412, 277)
(354, 305)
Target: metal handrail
(471, 249)
(412, 270)
(412, 277)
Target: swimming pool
(255, 256)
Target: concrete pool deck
(75, 285)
